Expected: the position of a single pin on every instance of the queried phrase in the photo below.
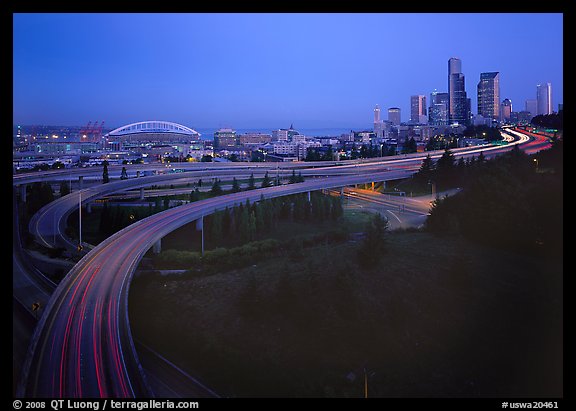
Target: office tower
(225, 138)
(438, 112)
(544, 98)
(394, 115)
(418, 109)
(489, 95)
(505, 110)
(532, 107)
(457, 107)
(378, 125)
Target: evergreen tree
(426, 170)
(64, 188)
(446, 169)
(194, 195)
(124, 174)
(293, 177)
(251, 182)
(216, 223)
(105, 176)
(200, 183)
(373, 245)
(300, 179)
(266, 181)
(216, 188)
(235, 186)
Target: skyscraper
(532, 107)
(489, 95)
(438, 112)
(394, 115)
(457, 107)
(378, 126)
(418, 109)
(505, 110)
(544, 98)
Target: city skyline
(250, 70)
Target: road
(47, 225)
(401, 211)
(82, 346)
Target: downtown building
(438, 111)
(394, 116)
(506, 111)
(459, 104)
(489, 95)
(225, 138)
(544, 98)
(418, 109)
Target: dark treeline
(509, 201)
(37, 196)
(554, 120)
(250, 221)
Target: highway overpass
(83, 347)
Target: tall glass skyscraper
(489, 95)
(418, 109)
(544, 98)
(457, 107)
(438, 112)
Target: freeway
(46, 225)
(82, 346)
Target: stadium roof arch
(154, 126)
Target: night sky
(268, 70)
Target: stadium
(153, 132)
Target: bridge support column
(141, 193)
(23, 192)
(88, 207)
(341, 192)
(372, 185)
(157, 247)
(384, 184)
(200, 227)
(80, 182)
(309, 197)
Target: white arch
(152, 126)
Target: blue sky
(268, 70)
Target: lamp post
(80, 220)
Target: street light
(536, 161)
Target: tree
(445, 167)
(216, 227)
(410, 146)
(300, 179)
(251, 182)
(194, 195)
(64, 188)
(206, 158)
(266, 182)
(124, 174)
(373, 245)
(235, 185)
(105, 176)
(216, 188)
(426, 170)
(293, 177)
(200, 183)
